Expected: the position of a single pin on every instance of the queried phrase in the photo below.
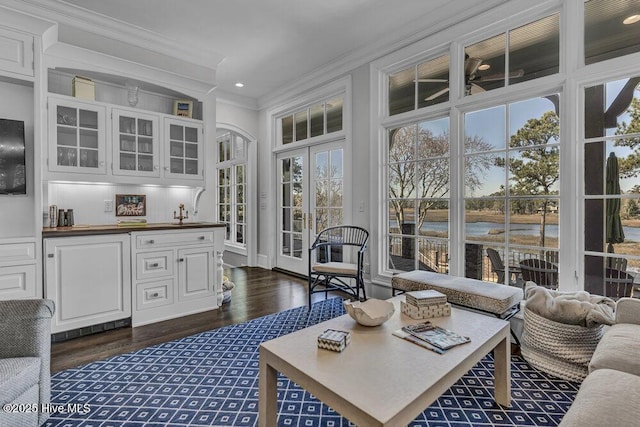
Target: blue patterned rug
(211, 379)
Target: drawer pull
(155, 295)
(201, 238)
(180, 259)
(151, 242)
(154, 265)
(50, 255)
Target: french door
(310, 198)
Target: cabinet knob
(156, 167)
(180, 259)
(166, 168)
(101, 163)
(200, 237)
(154, 265)
(50, 255)
(151, 242)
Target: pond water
(487, 228)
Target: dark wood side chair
(496, 263)
(332, 263)
(543, 273)
(617, 283)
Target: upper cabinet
(183, 149)
(135, 143)
(16, 52)
(76, 137)
(97, 141)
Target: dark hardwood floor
(258, 292)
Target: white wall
(17, 212)
(243, 117)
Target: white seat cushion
(336, 267)
(618, 349)
(606, 398)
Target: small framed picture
(131, 205)
(183, 108)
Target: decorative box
(334, 340)
(426, 312)
(83, 88)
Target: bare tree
(419, 171)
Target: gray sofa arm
(628, 311)
(25, 331)
(25, 328)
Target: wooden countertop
(88, 230)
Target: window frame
(232, 244)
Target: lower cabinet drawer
(154, 294)
(150, 265)
(148, 240)
(18, 282)
(11, 252)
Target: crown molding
(68, 15)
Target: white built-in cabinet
(135, 143)
(176, 273)
(91, 138)
(88, 278)
(183, 149)
(18, 268)
(16, 52)
(77, 137)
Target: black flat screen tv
(13, 176)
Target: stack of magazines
(432, 337)
(425, 304)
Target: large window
(418, 196)
(511, 186)
(612, 185)
(232, 186)
(533, 178)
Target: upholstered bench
(499, 300)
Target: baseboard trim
(90, 330)
(290, 273)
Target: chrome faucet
(181, 216)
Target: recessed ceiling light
(631, 19)
(239, 84)
(484, 67)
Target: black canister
(62, 218)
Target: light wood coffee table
(380, 379)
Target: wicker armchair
(329, 261)
(25, 354)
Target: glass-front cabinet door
(135, 144)
(77, 136)
(183, 149)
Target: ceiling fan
(472, 87)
